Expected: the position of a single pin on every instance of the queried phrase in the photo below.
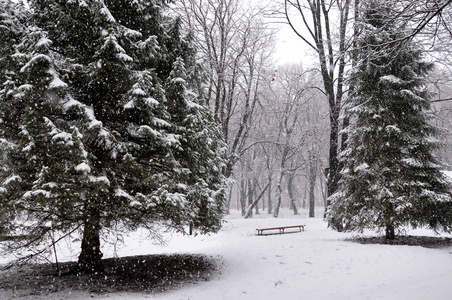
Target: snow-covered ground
(315, 264)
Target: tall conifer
(390, 177)
(109, 129)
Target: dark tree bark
(312, 179)
(269, 199)
(390, 232)
(250, 192)
(242, 196)
(389, 214)
(90, 259)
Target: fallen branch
(249, 210)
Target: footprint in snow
(279, 282)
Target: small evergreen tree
(110, 135)
(390, 177)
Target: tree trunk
(278, 195)
(278, 201)
(312, 179)
(290, 190)
(255, 184)
(389, 214)
(303, 201)
(390, 232)
(250, 193)
(323, 190)
(242, 196)
(269, 200)
(228, 204)
(249, 211)
(333, 176)
(90, 259)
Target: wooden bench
(260, 231)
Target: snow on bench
(260, 231)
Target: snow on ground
(315, 264)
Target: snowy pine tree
(390, 177)
(110, 134)
(12, 24)
(199, 151)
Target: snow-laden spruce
(99, 128)
(390, 178)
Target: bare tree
(290, 123)
(313, 21)
(249, 211)
(285, 103)
(236, 45)
(423, 17)
(440, 84)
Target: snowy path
(315, 264)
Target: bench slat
(281, 229)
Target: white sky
(290, 48)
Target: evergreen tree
(201, 172)
(390, 177)
(110, 134)
(12, 24)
